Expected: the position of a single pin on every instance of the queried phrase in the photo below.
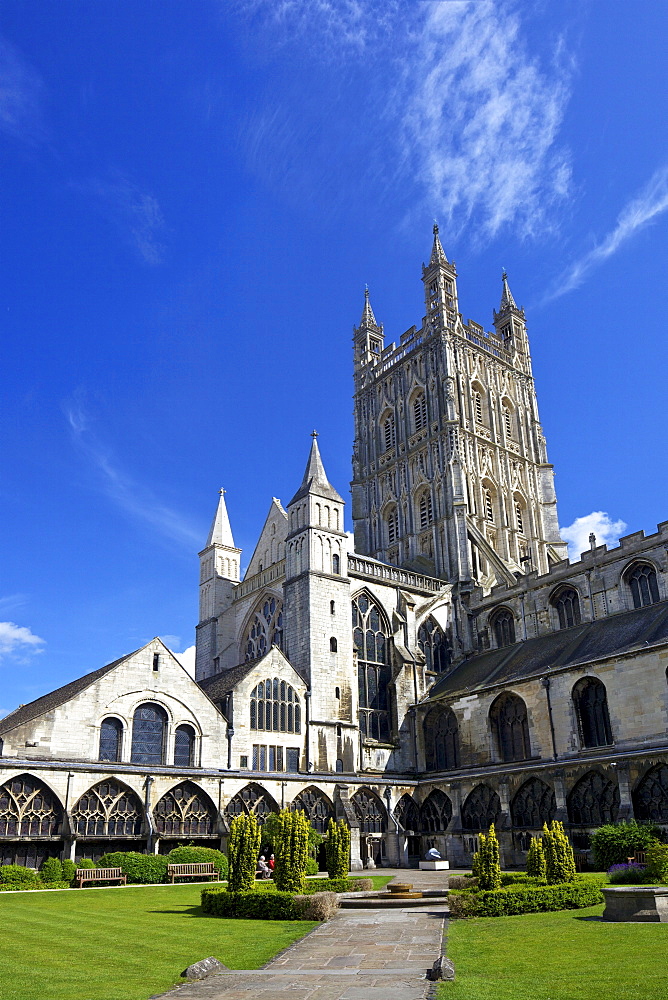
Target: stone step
(384, 901)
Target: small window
(508, 420)
(332, 607)
(243, 761)
(337, 693)
(111, 732)
(339, 766)
(489, 506)
(292, 759)
(339, 732)
(477, 406)
(336, 564)
(503, 624)
(156, 661)
(519, 516)
(333, 645)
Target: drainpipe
(545, 681)
(230, 730)
(308, 731)
(152, 839)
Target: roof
(315, 478)
(54, 699)
(590, 641)
(217, 686)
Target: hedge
(249, 905)
(615, 843)
(18, 875)
(524, 899)
(139, 868)
(192, 855)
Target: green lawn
(569, 955)
(122, 944)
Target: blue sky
(194, 196)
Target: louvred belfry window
(420, 411)
(373, 672)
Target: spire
(315, 478)
(437, 252)
(368, 318)
(221, 532)
(507, 300)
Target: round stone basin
(402, 890)
(400, 887)
(636, 903)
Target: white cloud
(132, 497)
(135, 213)
(18, 640)
(20, 96)
(186, 659)
(644, 208)
(607, 532)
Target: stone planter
(648, 903)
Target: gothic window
(650, 797)
(434, 644)
(488, 504)
(481, 808)
(567, 604)
(533, 805)
(436, 812)
(184, 746)
(275, 707)
(111, 734)
(591, 708)
(407, 814)
(29, 809)
(389, 433)
(510, 726)
(185, 811)
(641, 578)
(503, 624)
(251, 799)
(266, 629)
(392, 521)
(108, 809)
(318, 808)
(594, 800)
(373, 672)
(425, 509)
(149, 730)
(420, 411)
(441, 739)
(336, 564)
(519, 516)
(369, 811)
(333, 645)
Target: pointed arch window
(508, 421)
(441, 738)
(481, 808)
(111, 735)
(29, 809)
(392, 521)
(594, 800)
(149, 732)
(370, 638)
(185, 811)
(503, 625)
(275, 707)
(488, 503)
(533, 805)
(184, 746)
(567, 604)
(251, 799)
(519, 516)
(369, 811)
(436, 812)
(425, 510)
(650, 797)
(591, 708)
(389, 435)
(336, 565)
(407, 814)
(316, 806)
(420, 411)
(266, 629)
(108, 809)
(434, 644)
(477, 406)
(641, 578)
(510, 726)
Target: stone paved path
(358, 955)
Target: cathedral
(444, 668)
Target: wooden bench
(99, 875)
(203, 869)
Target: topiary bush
(255, 905)
(628, 874)
(486, 866)
(559, 857)
(337, 849)
(319, 906)
(193, 855)
(18, 876)
(291, 851)
(51, 870)
(536, 864)
(141, 869)
(312, 867)
(243, 847)
(615, 843)
(524, 899)
(69, 870)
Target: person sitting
(271, 862)
(263, 869)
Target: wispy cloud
(12, 602)
(132, 497)
(607, 531)
(186, 658)
(18, 640)
(136, 215)
(21, 95)
(644, 208)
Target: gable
(271, 543)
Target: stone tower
(218, 577)
(450, 470)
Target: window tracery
(434, 644)
(441, 737)
(481, 808)
(266, 629)
(29, 809)
(373, 672)
(111, 734)
(650, 797)
(149, 731)
(533, 805)
(185, 811)
(108, 809)
(594, 800)
(369, 811)
(275, 707)
(407, 814)
(184, 746)
(251, 799)
(591, 707)
(316, 806)
(425, 509)
(641, 578)
(436, 812)
(503, 624)
(508, 715)
(567, 605)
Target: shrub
(242, 852)
(629, 874)
(615, 843)
(192, 855)
(337, 849)
(462, 882)
(312, 866)
(521, 878)
(536, 864)
(291, 851)
(524, 899)
(656, 856)
(85, 863)
(486, 864)
(559, 858)
(61, 884)
(51, 870)
(141, 869)
(319, 906)
(265, 905)
(18, 876)
(69, 870)
(361, 884)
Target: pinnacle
(221, 532)
(507, 300)
(437, 252)
(368, 318)
(315, 478)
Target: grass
(569, 955)
(122, 944)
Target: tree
(242, 852)
(536, 864)
(559, 858)
(489, 871)
(291, 845)
(337, 849)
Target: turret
(218, 576)
(368, 336)
(440, 287)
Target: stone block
(206, 967)
(434, 866)
(637, 904)
(442, 968)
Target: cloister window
(510, 726)
(533, 805)
(251, 799)
(111, 734)
(369, 811)
(108, 809)
(591, 708)
(650, 797)
(436, 812)
(318, 808)
(441, 738)
(641, 578)
(407, 814)
(184, 746)
(567, 604)
(425, 509)
(28, 809)
(389, 433)
(185, 811)
(594, 800)
(149, 731)
(392, 521)
(434, 644)
(266, 629)
(481, 808)
(373, 672)
(503, 624)
(275, 707)
(420, 411)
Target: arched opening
(424, 511)
(185, 811)
(333, 645)
(111, 736)
(533, 804)
(481, 808)
(184, 746)
(419, 411)
(433, 642)
(392, 524)
(441, 739)
(336, 564)
(407, 815)
(317, 807)
(149, 734)
(436, 812)
(650, 796)
(510, 727)
(108, 817)
(502, 623)
(370, 638)
(265, 630)
(566, 602)
(594, 800)
(372, 819)
(31, 820)
(641, 578)
(251, 799)
(591, 708)
(389, 435)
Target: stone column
(453, 839)
(624, 782)
(504, 827)
(559, 796)
(344, 810)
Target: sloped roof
(315, 478)
(54, 699)
(217, 686)
(568, 647)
